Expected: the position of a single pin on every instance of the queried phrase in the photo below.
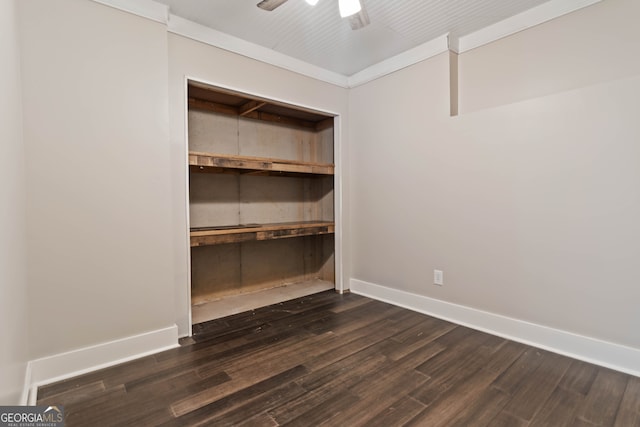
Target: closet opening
(261, 201)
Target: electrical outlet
(438, 277)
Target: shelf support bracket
(250, 106)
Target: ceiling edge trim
(192, 30)
(145, 8)
(402, 60)
(527, 19)
(161, 13)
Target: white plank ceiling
(317, 35)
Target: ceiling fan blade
(269, 5)
(360, 19)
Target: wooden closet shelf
(247, 232)
(218, 163)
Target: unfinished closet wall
(261, 193)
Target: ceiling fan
(351, 9)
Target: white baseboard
(24, 399)
(610, 355)
(77, 362)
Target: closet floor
(235, 304)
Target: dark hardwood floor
(346, 360)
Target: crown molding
(527, 19)
(192, 30)
(402, 60)
(145, 8)
(201, 33)
(183, 27)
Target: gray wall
(99, 194)
(529, 200)
(13, 273)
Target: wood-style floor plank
(483, 409)
(327, 412)
(559, 409)
(629, 410)
(447, 406)
(325, 383)
(504, 356)
(457, 363)
(601, 405)
(504, 419)
(398, 413)
(520, 371)
(527, 400)
(579, 377)
(346, 360)
(359, 412)
(78, 393)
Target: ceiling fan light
(312, 2)
(349, 7)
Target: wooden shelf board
(254, 232)
(222, 163)
(258, 110)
